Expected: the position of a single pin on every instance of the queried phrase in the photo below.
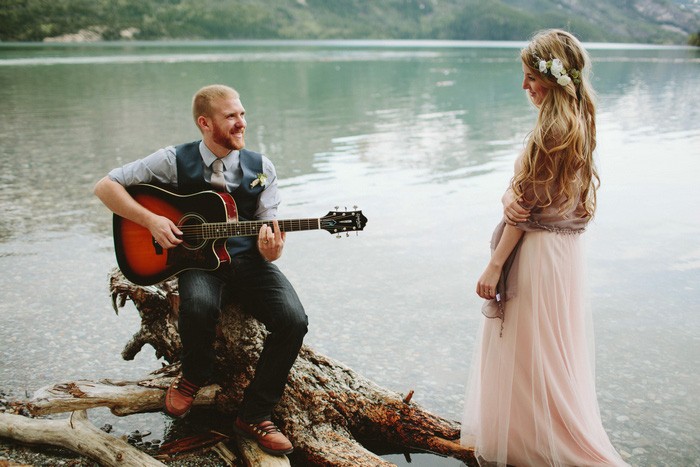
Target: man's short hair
(201, 103)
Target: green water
(422, 137)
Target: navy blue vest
(190, 179)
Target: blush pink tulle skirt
(531, 397)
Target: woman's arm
(486, 287)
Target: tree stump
(328, 410)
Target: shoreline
(15, 454)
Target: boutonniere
(261, 180)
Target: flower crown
(555, 68)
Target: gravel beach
(16, 454)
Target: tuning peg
(347, 234)
(337, 207)
(355, 207)
(338, 236)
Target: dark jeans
(265, 293)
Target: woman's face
(533, 85)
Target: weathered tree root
(327, 411)
(157, 306)
(77, 434)
(121, 397)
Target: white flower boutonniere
(261, 180)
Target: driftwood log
(77, 434)
(329, 411)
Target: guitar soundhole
(192, 232)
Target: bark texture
(328, 411)
(121, 397)
(77, 434)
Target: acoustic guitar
(206, 220)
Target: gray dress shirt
(161, 168)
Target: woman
(531, 397)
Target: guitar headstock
(337, 222)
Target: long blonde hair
(558, 160)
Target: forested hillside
(652, 21)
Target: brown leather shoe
(180, 397)
(269, 437)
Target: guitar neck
(249, 228)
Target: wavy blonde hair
(558, 163)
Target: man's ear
(203, 123)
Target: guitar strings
(251, 228)
(245, 224)
(249, 224)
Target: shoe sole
(272, 452)
(167, 412)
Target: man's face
(228, 123)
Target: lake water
(421, 136)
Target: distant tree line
(35, 20)
(694, 39)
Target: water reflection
(423, 139)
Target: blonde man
(249, 278)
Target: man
(250, 278)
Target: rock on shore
(93, 34)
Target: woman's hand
(513, 212)
(486, 287)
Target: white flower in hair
(557, 67)
(563, 80)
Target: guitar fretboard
(249, 228)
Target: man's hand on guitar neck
(271, 241)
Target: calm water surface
(422, 137)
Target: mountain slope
(653, 21)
